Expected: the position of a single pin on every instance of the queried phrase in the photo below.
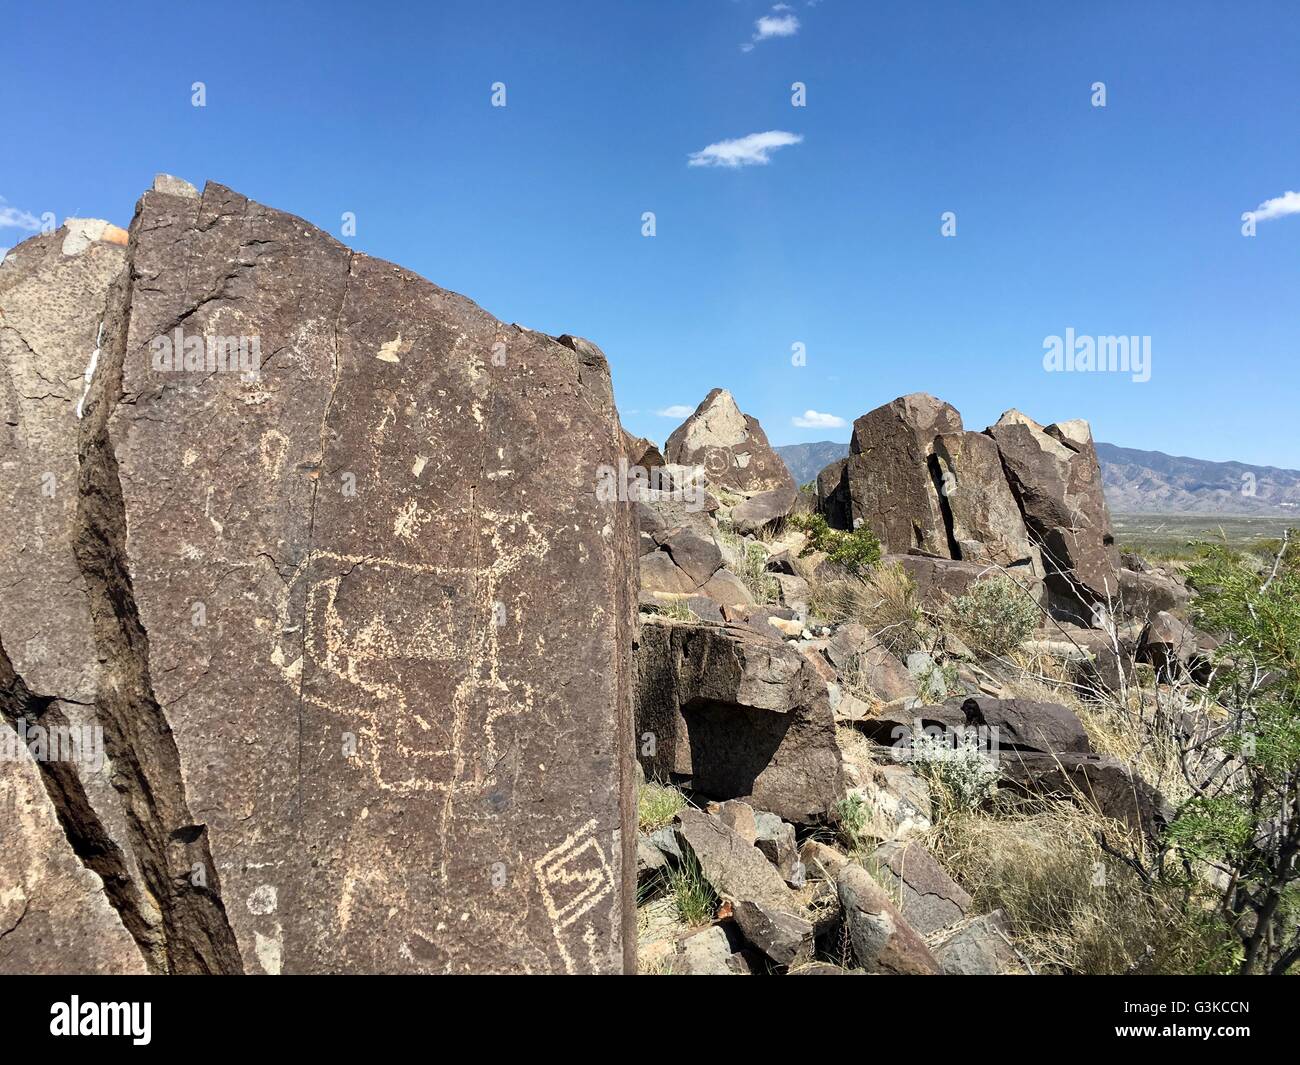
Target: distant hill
(1138, 482)
(806, 461)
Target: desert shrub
(857, 551)
(961, 776)
(995, 615)
(852, 818)
(1242, 814)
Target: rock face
(732, 448)
(892, 475)
(742, 714)
(354, 728)
(61, 913)
(985, 521)
(1057, 482)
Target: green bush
(995, 615)
(857, 551)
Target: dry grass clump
(884, 601)
(657, 805)
(1073, 907)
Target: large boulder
(323, 509)
(892, 474)
(735, 868)
(1147, 593)
(928, 897)
(740, 713)
(996, 724)
(986, 525)
(732, 448)
(882, 940)
(1095, 779)
(1056, 479)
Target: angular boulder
(737, 870)
(892, 474)
(928, 897)
(731, 447)
(1056, 479)
(883, 942)
(986, 525)
(322, 509)
(742, 714)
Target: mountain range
(1137, 482)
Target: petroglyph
(573, 878)
(356, 636)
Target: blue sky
(1117, 220)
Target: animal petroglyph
(357, 651)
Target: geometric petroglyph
(366, 648)
(573, 878)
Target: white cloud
(744, 151)
(3, 253)
(812, 419)
(1278, 207)
(676, 411)
(12, 218)
(776, 26)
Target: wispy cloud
(744, 151)
(13, 218)
(677, 410)
(1278, 207)
(813, 419)
(780, 23)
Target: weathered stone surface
(742, 714)
(883, 942)
(1056, 479)
(762, 510)
(776, 839)
(55, 916)
(323, 596)
(737, 816)
(695, 555)
(641, 452)
(705, 953)
(1020, 724)
(980, 947)
(1097, 779)
(929, 898)
(736, 869)
(725, 588)
(1167, 644)
(660, 575)
(860, 660)
(985, 522)
(891, 473)
(784, 937)
(68, 914)
(650, 860)
(1145, 594)
(822, 861)
(731, 446)
(833, 499)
